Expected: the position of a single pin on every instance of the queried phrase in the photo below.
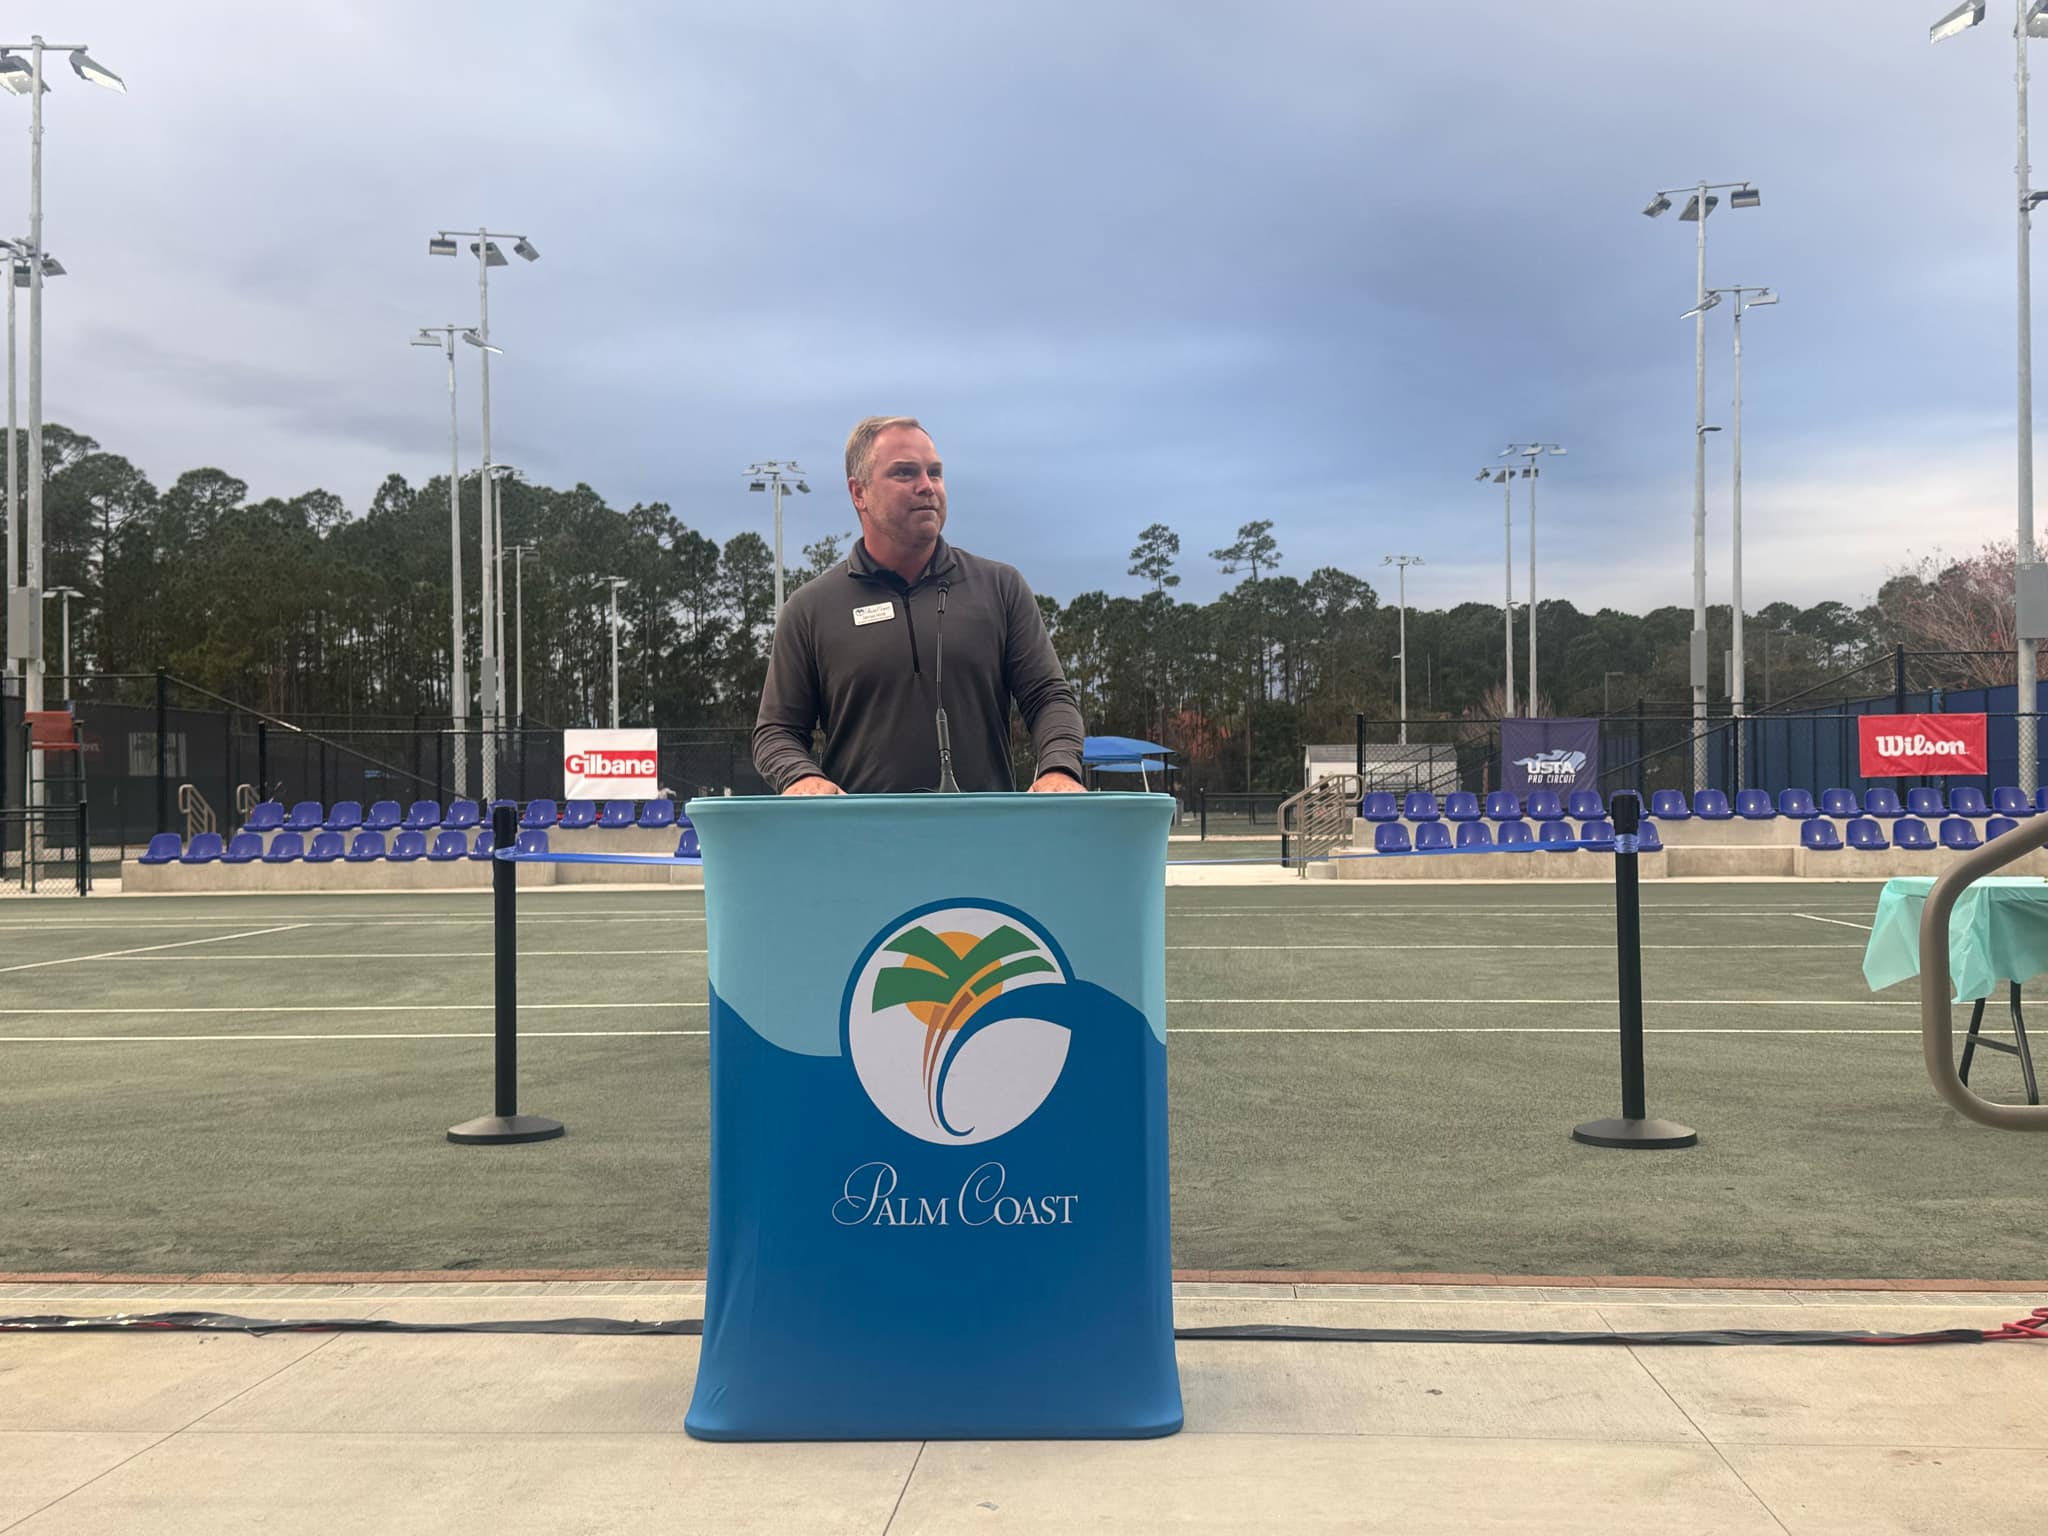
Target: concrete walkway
(343, 1433)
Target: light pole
(64, 607)
(1530, 471)
(518, 552)
(499, 474)
(1606, 699)
(770, 476)
(1401, 581)
(2030, 19)
(18, 275)
(24, 77)
(1501, 478)
(484, 246)
(615, 582)
(442, 337)
(1700, 202)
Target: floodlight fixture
(1745, 197)
(441, 245)
(1692, 214)
(52, 267)
(1709, 302)
(475, 340)
(524, 247)
(1764, 296)
(16, 74)
(757, 485)
(1961, 19)
(1658, 204)
(1485, 474)
(2037, 19)
(87, 69)
(493, 257)
(1709, 429)
(804, 486)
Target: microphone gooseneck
(947, 784)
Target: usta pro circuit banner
(610, 765)
(1897, 745)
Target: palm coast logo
(929, 1048)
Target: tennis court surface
(1361, 1080)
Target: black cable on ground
(2033, 1327)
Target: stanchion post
(1633, 1130)
(506, 1125)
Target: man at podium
(881, 647)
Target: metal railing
(1937, 1024)
(1318, 819)
(198, 811)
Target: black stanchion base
(1644, 1135)
(502, 1130)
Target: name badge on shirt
(874, 613)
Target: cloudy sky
(1132, 261)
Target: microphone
(947, 784)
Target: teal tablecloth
(1998, 932)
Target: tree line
(297, 607)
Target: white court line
(603, 954)
(1221, 948)
(608, 1034)
(1811, 918)
(115, 954)
(119, 925)
(1171, 1002)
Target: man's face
(904, 500)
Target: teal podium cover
(938, 1118)
(1997, 932)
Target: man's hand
(1055, 782)
(814, 784)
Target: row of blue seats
(366, 848)
(425, 816)
(1503, 805)
(1477, 837)
(1867, 832)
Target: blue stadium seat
(1503, 805)
(1819, 833)
(1998, 826)
(2008, 801)
(2041, 800)
(1377, 806)
(424, 816)
(448, 845)
(1647, 840)
(345, 816)
(540, 813)
(658, 814)
(1432, 837)
(1711, 805)
(532, 840)
(1923, 802)
(383, 817)
(285, 848)
(462, 815)
(1420, 805)
(485, 843)
(579, 813)
(1868, 832)
(1754, 805)
(204, 849)
(1967, 800)
(1956, 832)
(325, 849)
(243, 848)
(164, 848)
(1584, 805)
(1911, 832)
(686, 845)
(1881, 801)
(264, 816)
(1545, 806)
(305, 817)
(1475, 836)
(368, 848)
(1799, 803)
(1461, 805)
(408, 846)
(1390, 837)
(1597, 834)
(1669, 805)
(1556, 837)
(1515, 834)
(620, 813)
(1842, 802)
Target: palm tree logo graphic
(945, 978)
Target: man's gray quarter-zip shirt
(857, 651)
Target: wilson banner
(1893, 746)
(610, 765)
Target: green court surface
(1374, 1079)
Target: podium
(938, 1119)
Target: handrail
(1324, 809)
(198, 811)
(1937, 1026)
(245, 800)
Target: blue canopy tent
(1125, 754)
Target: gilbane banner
(1892, 746)
(610, 765)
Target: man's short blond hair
(860, 443)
